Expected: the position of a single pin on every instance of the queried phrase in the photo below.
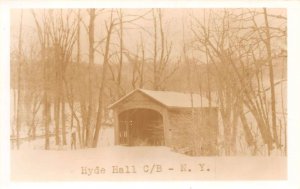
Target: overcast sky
(173, 22)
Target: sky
(175, 23)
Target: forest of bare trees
(68, 65)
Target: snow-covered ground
(32, 163)
(40, 165)
(137, 163)
(106, 138)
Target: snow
(39, 165)
(32, 163)
(171, 99)
(106, 139)
(142, 162)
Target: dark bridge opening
(141, 127)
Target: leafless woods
(68, 65)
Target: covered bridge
(187, 125)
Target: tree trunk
(155, 82)
(82, 103)
(248, 135)
(271, 73)
(142, 66)
(63, 119)
(46, 120)
(47, 105)
(35, 109)
(92, 15)
(102, 86)
(18, 122)
(56, 117)
(121, 54)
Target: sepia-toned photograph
(148, 94)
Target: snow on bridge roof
(171, 99)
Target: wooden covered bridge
(187, 125)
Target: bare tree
(271, 73)
(44, 43)
(161, 52)
(62, 32)
(91, 31)
(231, 48)
(230, 58)
(135, 59)
(119, 77)
(18, 122)
(109, 30)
